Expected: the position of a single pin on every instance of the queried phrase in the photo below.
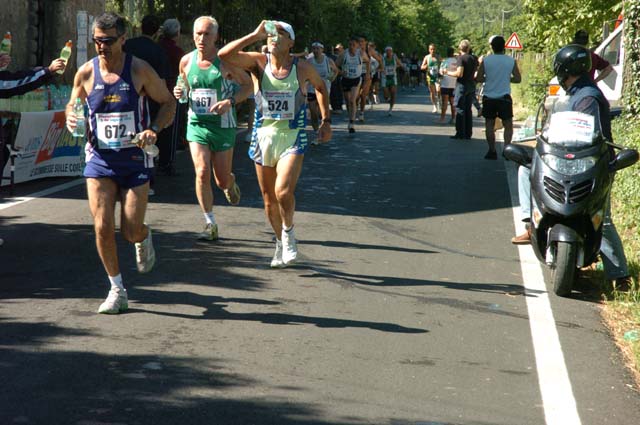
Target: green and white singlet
(280, 117)
(390, 71)
(206, 88)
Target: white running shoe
(233, 194)
(435, 109)
(209, 233)
(145, 254)
(289, 247)
(116, 302)
(276, 261)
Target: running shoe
(233, 194)
(435, 109)
(276, 261)
(390, 111)
(351, 129)
(116, 302)
(145, 254)
(289, 247)
(210, 233)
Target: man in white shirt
(497, 72)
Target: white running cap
(288, 28)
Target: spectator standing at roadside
(464, 92)
(497, 72)
(447, 85)
(18, 83)
(599, 64)
(173, 135)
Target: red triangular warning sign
(513, 42)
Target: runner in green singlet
(431, 65)
(211, 128)
(390, 65)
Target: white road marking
(555, 387)
(46, 192)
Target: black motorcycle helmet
(572, 59)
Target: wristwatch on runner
(233, 101)
(154, 128)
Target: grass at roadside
(622, 310)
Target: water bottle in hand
(270, 28)
(78, 111)
(65, 54)
(150, 149)
(180, 83)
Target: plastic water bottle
(78, 111)
(5, 47)
(180, 83)
(151, 149)
(270, 28)
(65, 54)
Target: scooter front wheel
(563, 274)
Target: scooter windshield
(572, 129)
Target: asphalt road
(408, 308)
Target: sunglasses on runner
(105, 40)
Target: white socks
(210, 219)
(116, 282)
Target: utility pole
(503, 13)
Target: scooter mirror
(521, 155)
(625, 158)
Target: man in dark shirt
(151, 52)
(598, 63)
(176, 131)
(465, 90)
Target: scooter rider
(571, 65)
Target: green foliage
(476, 20)
(632, 61)
(552, 23)
(407, 25)
(536, 73)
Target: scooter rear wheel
(564, 273)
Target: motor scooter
(572, 168)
